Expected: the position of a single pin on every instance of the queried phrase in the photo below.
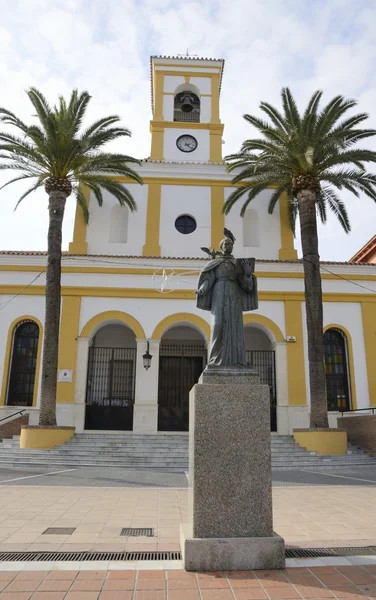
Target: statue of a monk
(227, 287)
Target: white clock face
(186, 143)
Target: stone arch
(183, 319)
(350, 358)
(267, 325)
(8, 357)
(112, 316)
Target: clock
(186, 143)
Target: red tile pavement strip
(339, 583)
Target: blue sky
(104, 47)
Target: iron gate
(180, 366)
(264, 362)
(110, 388)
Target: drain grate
(87, 556)
(133, 556)
(321, 552)
(137, 531)
(59, 531)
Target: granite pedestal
(230, 516)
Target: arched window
(336, 369)
(23, 364)
(119, 225)
(187, 107)
(251, 232)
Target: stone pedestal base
(231, 554)
(230, 509)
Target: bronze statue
(227, 287)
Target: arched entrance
(336, 369)
(261, 356)
(182, 358)
(110, 390)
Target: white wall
(180, 200)
(269, 227)
(171, 151)
(98, 231)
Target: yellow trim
(369, 334)
(146, 271)
(70, 318)
(267, 323)
(350, 353)
(166, 323)
(113, 315)
(185, 66)
(185, 73)
(38, 437)
(212, 127)
(295, 354)
(322, 442)
(287, 251)
(7, 359)
(79, 243)
(152, 247)
(215, 85)
(117, 292)
(187, 78)
(217, 217)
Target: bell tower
(185, 103)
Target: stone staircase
(161, 452)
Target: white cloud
(104, 47)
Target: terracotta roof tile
(259, 260)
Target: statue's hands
(200, 291)
(246, 267)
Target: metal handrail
(13, 415)
(373, 408)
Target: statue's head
(226, 246)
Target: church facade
(128, 283)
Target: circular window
(185, 224)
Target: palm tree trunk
(314, 308)
(47, 415)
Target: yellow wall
(295, 354)
(79, 243)
(369, 333)
(153, 217)
(70, 317)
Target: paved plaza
(341, 583)
(334, 512)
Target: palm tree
(58, 155)
(309, 157)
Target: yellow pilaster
(369, 334)
(216, 145)
(295, 354)
(79, 244)
(70, 317)
(215, 98)
(153, 217)
(157, 137)
(217, 216)
(287, 250)
(158, 95)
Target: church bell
(187, 103)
